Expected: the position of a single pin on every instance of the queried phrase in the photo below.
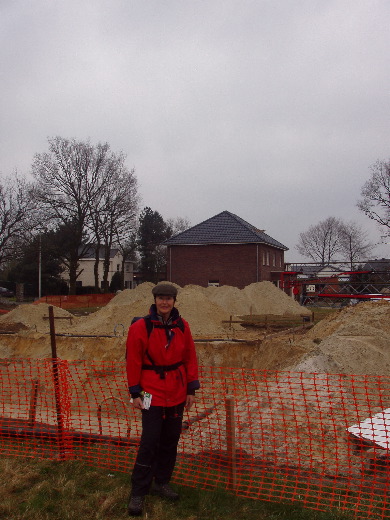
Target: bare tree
(69, 181)
(354, 243)
(17, 216)
(376, 195)
(321, 242)
(178, 225)
(127, 246)
(331, 237)
(114, 215)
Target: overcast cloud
(273, 110)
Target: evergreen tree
(152, 232)
(40, 254)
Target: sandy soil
(355, 340)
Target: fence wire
(318, 439)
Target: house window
(274, 259)
(267, 257)
(213, 283)
(118, 267)
(263, 258)
(127, 268)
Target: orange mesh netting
(77, 301)
(318, 439)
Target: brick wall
(230, 264)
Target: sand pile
(204, 316)
(141, 292)
(266, 298)
(115, 318)
(204, 309)
(256, 298)
(232, 299)
(356, 340)
(35, 317)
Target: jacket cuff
(136, 389)
(192, 386)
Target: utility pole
(40, 267)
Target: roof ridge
(199, 224)
(225, 227)
(247, 224)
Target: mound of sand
(231, 299)
(204, 317)
(141, 292)
(266, 298)
(355, 340)
(206, 310)
(36, 317)
(256, 298)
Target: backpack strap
(161, 369)
(150, 325)
(147, 320)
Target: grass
(33, 489)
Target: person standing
(161, 366)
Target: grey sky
(273, 110)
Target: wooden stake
(57, 391)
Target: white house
(315, 271)
(86, 269)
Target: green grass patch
(42, 490)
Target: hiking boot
(136, 505)
(165, 491)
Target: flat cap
(164, 289)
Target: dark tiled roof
(377, 265)
(305, 269)
(90, 252)
(312, 270)
(224, 228)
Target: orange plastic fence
(72, 302)
(267, 435)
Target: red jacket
(162, 349)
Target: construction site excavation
(297, 387)
(353, 340)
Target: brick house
(224, 250)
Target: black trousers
(156, 457)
